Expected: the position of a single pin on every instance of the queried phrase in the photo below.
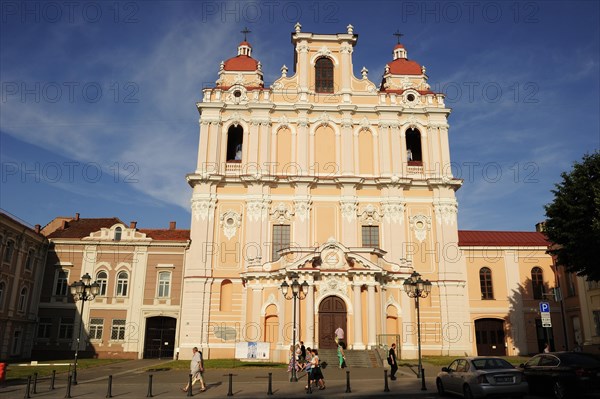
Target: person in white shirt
(196, 370)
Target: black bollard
(348, 390)
(309, 389)
(35, 375)
(189, 391)
(230, 392)
(149, 394)
(270, 390)
(68, 394)
(386, 387)
(52, 380)
(28, 387)
(109, 390)
(423, 387)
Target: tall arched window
(118, 232)
(235, 137)
(8, 251)
(2, 292)
(164, 284)
(122, 283)
(102, 280)
(226, 294)
(30, 259)
(22, 300)
(537, 283)
(324, 75)
(413, 147)
(485, 281)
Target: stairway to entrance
(354, 358)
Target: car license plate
(504, 379)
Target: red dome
(244, 43)
(399, 45)
(241, 63)
(403, 66)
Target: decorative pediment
(420, 224)
(230, 222)
(282, 213)
(117, 232)
(370, 214)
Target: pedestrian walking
(341, 355)
(196, 370)
(392, 362)
(317, 373)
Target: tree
(573, 218)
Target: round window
(230, 222)
(410, 97)
(237, 93)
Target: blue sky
(98, 116)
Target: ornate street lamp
(298, 291)
(415, 287)
(82, 291)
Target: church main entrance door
(332, 314)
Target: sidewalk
(131, 380)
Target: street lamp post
(298, 291)
(82, 291)
(416, 288)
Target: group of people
(307, 359)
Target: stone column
(309, 330)
(372, 324)
(358, 339)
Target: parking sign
(544, 307)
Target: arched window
(485, 281)
(22, 300)
(164, 284)
(8, 251)
(30, 259)
(118, 232)
(235, 137)
(324, 75)
(226, 294)
(122, 283)
(414, 155)
(102, 280)
(537, 283)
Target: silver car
(480, 377)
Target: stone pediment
(110, 234)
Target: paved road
(130, 380)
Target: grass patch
(217, 364)
(442, 361)
(15, 372)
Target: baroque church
(329, 183)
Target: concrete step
(354, 358)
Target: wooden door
(332, 314)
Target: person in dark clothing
(392, 362)
(302, 352)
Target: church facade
(345, 184)
(333, 181)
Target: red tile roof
(166, 234)
(83, 227)
(241, 63)
(401, 66)
(501, 238)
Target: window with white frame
(22, 300)
(30, 259)
(96, 327)
(65, 328)
(62, 283)
(122, 283)
(164, 284)
(117, 331)
(44, 327)
(102, 280)
(118, 232)
(8, 251)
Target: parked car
(480, 377)
(563, 374)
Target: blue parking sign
(544, 307)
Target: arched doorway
(489, 335)
(160, 337)
(332, 314)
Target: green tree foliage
(573, 218)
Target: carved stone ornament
(333, 285)
(239, 99)
(323, 118)
(297, 27)
(346, 122)
(324, 52)
(257, 210)
(370, 215)
(284, 71)
(302, 209)
(236, 118)
(346, 48)
(349, 208)
(302, 48)
(393, 211)
(413, 123)
(239, 79)
(406, 83)
(364, 72)
(420, 224)
(446, 211)
(283, 121)
(230, 221)
(282, 213)
(202, 208)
